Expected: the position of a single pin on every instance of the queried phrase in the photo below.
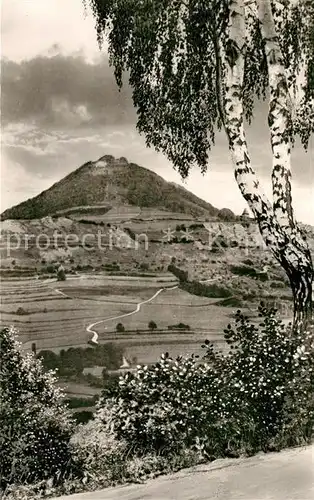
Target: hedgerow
(258, 396)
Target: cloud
(67, 92)
(63, 92)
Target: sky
(61, 108)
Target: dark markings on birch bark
(275, 221)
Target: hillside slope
(109, 182)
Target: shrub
(234, 243)
(61, 274)
(109, 460)
(196, 226)
(244, 270)
(35, 424)
(226, 214)
(21, 311)
(144, 266)
(270, 378)
(277, 284)
(154, 408)
(179, 326)
(178, 273)
(120, 328)
(249, 271)
(207, 290)
(51, 268)
(251, 294)
(258, 396)
(152, 325)
(131, 233)
(49, 360)
(231, 302)
(262, 276)
(82, 417)
(112, 267)
(248, 262)
(97, 447)
(216, 249)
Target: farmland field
(55, 315)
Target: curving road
(90, 327)
(287, 475)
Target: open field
(147, 353)
(56, 315)
(79, 390)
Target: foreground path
(288, 475)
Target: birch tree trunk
(295, 256)
(276, 221)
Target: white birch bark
(285, 93)
(234, 125)
(276, 221)
(279, 116)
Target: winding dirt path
(90, 327)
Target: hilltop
(125, 219)
(99, 186)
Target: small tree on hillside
(152, 325)
(35, 425)
(196, 67)
(61, 276)
(120, 328)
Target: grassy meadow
(55, 315)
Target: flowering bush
(269, 378)
(108, 460)
(98, 449)
(160, 406)
(258, 396)
(35, 424)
